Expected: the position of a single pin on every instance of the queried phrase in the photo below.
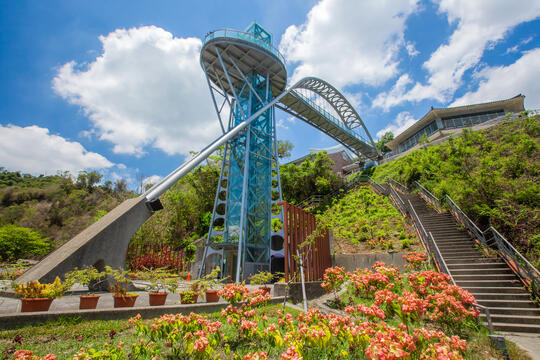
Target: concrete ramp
(103, 243)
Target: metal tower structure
(245, 72)
(247, 80)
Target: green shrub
(16, 242)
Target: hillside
(56, 207)
(493, 175)
(364, 221)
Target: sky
(116, 86)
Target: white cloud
(146, 89)
(480, 24)
(402, 122)
(516, 47)
(502, 82)
(152, 180)
(411, 49)
(392, 98)
(348, 41)
(34, 150)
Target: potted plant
(39, 297)
(191, 295)
(121, 297)
(209, 285)
(160, 280)
(262, 278)
(85, 277)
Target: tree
(284, 148)
(381, 144)
(313, 177)
(87, 180)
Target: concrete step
(458, 253)
(528, 304)
(514, 319)
(478, 265)
(477, 277)
(501, 296)
(515, 311)
(483, 271)
(520, 328)
(515, 289)
(476, 259)
(457, 247)
(488, 283)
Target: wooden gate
(315, 253)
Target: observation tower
(245, 72)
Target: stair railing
(399, 186)
(491, 238)
(466, 221)
(517, 262)
(398, 201)
(428, 196)
(378, 186)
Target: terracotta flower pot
(192, 299)
(266, 289)
(124, 300)
(212, 296)
(38, 304)
(88, 301)
(158, 298)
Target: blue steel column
(245, 223)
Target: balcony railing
(241, 35)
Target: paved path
(528, 342)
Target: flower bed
(390, 315)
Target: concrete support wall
(103, 243)
(313, 290)
(352, 262)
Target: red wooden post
(284, 209)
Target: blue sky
(117, 86)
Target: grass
(65, 336)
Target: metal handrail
(522, 267)
(517, 262)
(397, 184)
(465, 220)
(429, 196)
(242, 35)
(397, 200)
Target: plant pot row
(91, 301)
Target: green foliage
(493, 175)
(381, 143)
(261, 278)
(83, 276)
(362, 216)
(284, 148)
(16, 242)
(312, 177)
(55, 206)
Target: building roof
(513, 104)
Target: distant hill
(58, 207)
(493, 175)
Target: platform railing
(242, 35)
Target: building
(341, 158)
(439, 124)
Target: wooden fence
(155, 255)
(315, 253)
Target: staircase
(488, 278)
